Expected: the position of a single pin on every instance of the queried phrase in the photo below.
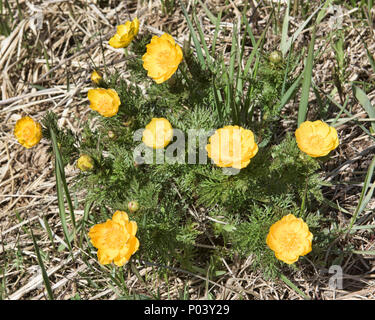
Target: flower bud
(111, 134)
(96, 77)
(128, 122)
(133, 206)
(275, 57)
(85, 163)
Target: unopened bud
(128, 123)
(96, 77)
(133, 206)
(275, 57)
(85, 163)
(111, 134)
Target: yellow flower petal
(96, 77)
(289, 238)
(125, 34)
(127, 251)
(232, 146)
(132, 228)
(120, 217)
(162, 58)
(316, 139)
(158, 133)
(104, 101)
(28, 132)
(115, 239)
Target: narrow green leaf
(307, 74)
(299, 30)
(59, 168)
(208, 13)
(233, 53)
(365, 102)
(289, 93)
(61, 205)
(217, 28)
(369, 252)
(47, 284)
(284, 33)
(58, 157)
(49, 231)
(203, 40)
(86, 211)
(194, 36)
(255, 44)
(365, 197)
(366, 227)
(217, 101)
(294, 287)
(323, 12)
(370, 57)
(350, 115)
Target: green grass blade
(208, 13)
(49, 231)
(307, 74)
(294, 287)
(233, 53)
(59, 168)
(61, 205)
(339, 114)
(47, 284)
(289, 93)
(255, 44)
(350, 115)
(370, 57)
(369, 252)
(322, 13)
(194, 36)
(217, 28)
(203, 41)
(284, 33)
(86, 211)
(366, 227)
(365, 197)
(365, 102)
(217, 101)
(3, 282)
(58, 156)
(300, 29)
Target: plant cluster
(192, 215)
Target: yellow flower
(232, 146)
(115, 239)
(104, 101)
(85, 163)
(289, 238)
(317, 138)
(125, 34)
(28, 132)
(158, 133)
(162, 58)
(96, 77)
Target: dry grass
(47, 67)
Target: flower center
(164, 59)
(289, 241)
(115, 237)
(27, 133)
(105, 103)
(316, 140)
